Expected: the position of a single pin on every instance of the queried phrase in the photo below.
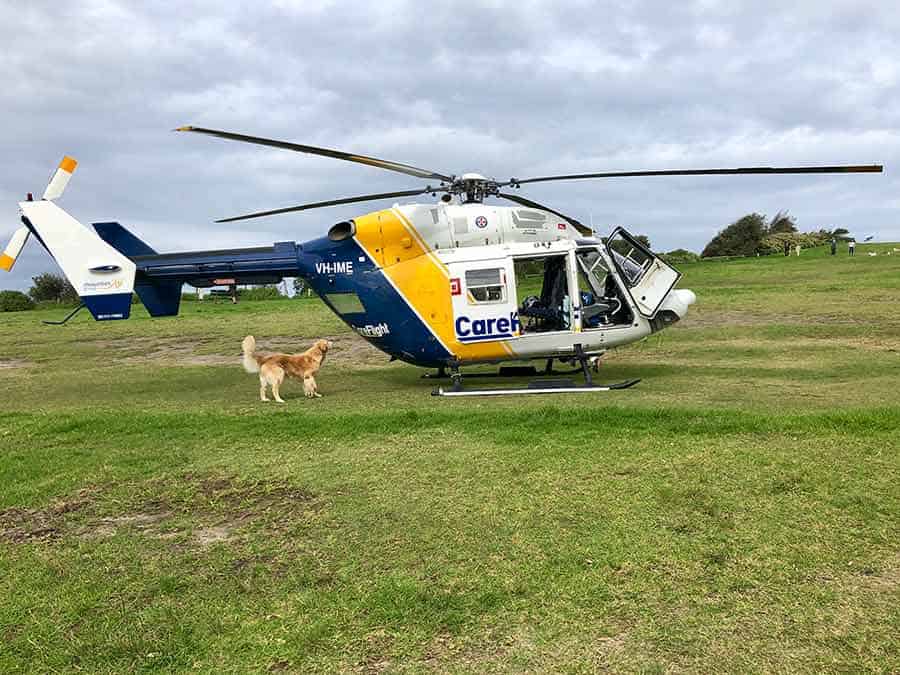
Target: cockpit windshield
(591, 271)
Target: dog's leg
(277, 379)
(309, 387)
(262, 389)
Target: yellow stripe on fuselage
(420, 277)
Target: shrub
(743, 237)
(14, 301)
(680, 256)
(50, 287)
(774, 243)
(264, 293)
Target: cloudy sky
(506, 89)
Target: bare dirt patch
(349, 350)
(14, 363)
(193, 511)
(713, 319)
(18, 525)
(172, 351)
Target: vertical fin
(101, 275)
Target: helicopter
(440, 284)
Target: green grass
(739, 510)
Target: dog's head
(324, 345)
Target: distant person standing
(798, 250)
(833, 246)
(787, 248)
(851, 246)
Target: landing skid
(558, 386)
(536, 387)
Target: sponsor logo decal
(493, 328)
(481, 221)
(377, 331)
(100, 286)
(338, 267)
(455, 287)
(560, 226)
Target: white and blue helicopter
(442, 284)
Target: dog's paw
(318, 395)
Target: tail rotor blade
(14, 248)
(60, 179)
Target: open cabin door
(647, 278)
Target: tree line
(754, 235)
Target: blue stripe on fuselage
(388, 321)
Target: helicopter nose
(687, 296)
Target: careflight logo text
(493, 328)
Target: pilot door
(646, 277)
(484, 300)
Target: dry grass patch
(191, 511)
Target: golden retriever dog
(273, 368)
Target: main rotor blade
(867, 168)
(324, 152)
(582, 229)
(330, 202)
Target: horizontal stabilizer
(13, 248)
(122, 240)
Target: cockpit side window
(602, 304)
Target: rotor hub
(473, 187)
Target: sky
(500, 88)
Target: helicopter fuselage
(469, 283)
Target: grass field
(739, 510)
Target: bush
(14, 301)
(264, 293)
(774, 243)
(680, 256)
(742, 237)
(53, 288)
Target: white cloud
(503, 88)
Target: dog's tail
(248, 346)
